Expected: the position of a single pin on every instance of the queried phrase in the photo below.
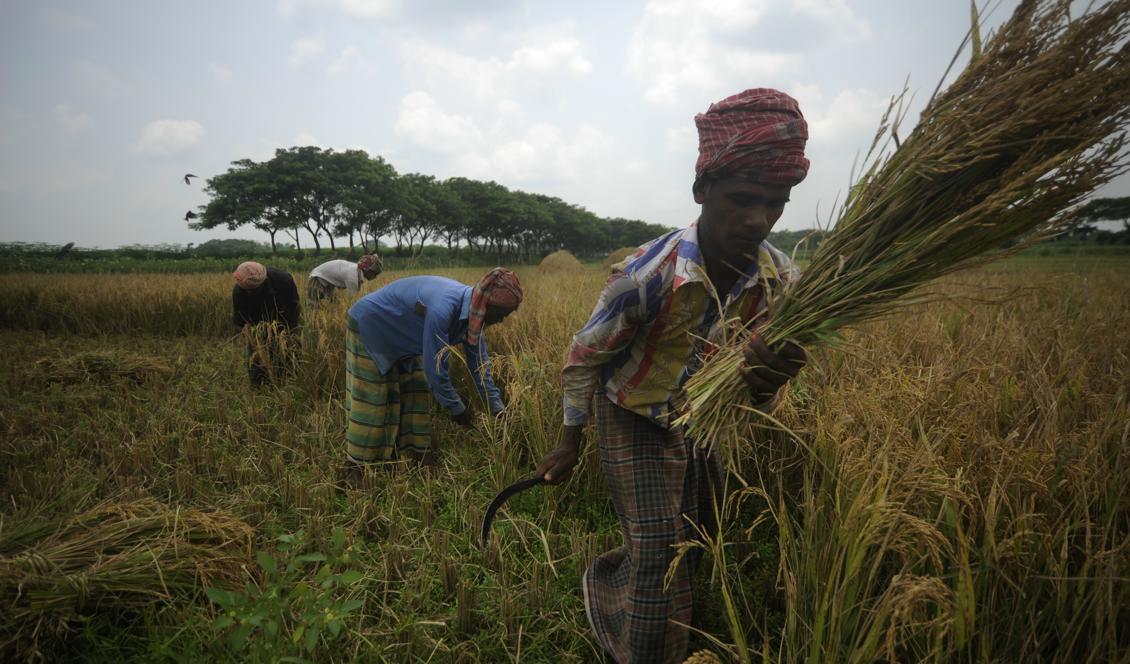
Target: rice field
(949, 485)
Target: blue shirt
(420, 316)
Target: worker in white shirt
(332, 275)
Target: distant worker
(328, 277)
(394, 338)
(266, 308)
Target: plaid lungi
(389, 414)
(318, 288)
(659, 488)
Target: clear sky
(105, 105)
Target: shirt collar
(690, 267)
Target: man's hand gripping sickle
(557, 465)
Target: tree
(305, 192)
(1106, 209)
(245, 194)
(367, 196)
(451, 214)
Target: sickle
(501, 498)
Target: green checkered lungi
(389, 414)
(660, 485)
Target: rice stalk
(116, 555)
(999, 159)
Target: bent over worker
(326, 279)
(393, 340)
(645, 338)
(266, 307)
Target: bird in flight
(190, 215)
(189, 175)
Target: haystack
(618, 255)
(560, 261)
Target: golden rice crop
(953, 487)
(979, 170)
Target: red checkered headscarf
(250, 275)
(759, 131)
(499, 287)
(370, 264)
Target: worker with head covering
(395, 358)
(651, 327)
(326, 279)
(265, 301)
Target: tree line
(323, 195)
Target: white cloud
(219, 72)
(560, 54)
(64, 20)
(423, 122)
(306, 138)
(684, 45)
(480, 76)
(543, 56)
(682, 139)
(369, 9)
(305, 48)
(349, 58)
(509, 107)
(508, 151)
(834, 16)
(98, 80)
(850, 119)
(166, 137)
(543, 152)
(363, 9)
(637, 166)
(71, 120)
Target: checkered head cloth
(370, 264)
(760, 131)
(499, 287)
(250, 275)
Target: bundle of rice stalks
(617, 255)
(560, 261)
(113, 556)
(102, 366)
(1033, 124)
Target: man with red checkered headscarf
(327, 278)
(652, 324)
(397, 364)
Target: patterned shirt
(653, 322)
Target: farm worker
(394, 357)
(645, 338)
(328, 277)
(266, 307)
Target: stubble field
(948, 485)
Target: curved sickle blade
(502, 497)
